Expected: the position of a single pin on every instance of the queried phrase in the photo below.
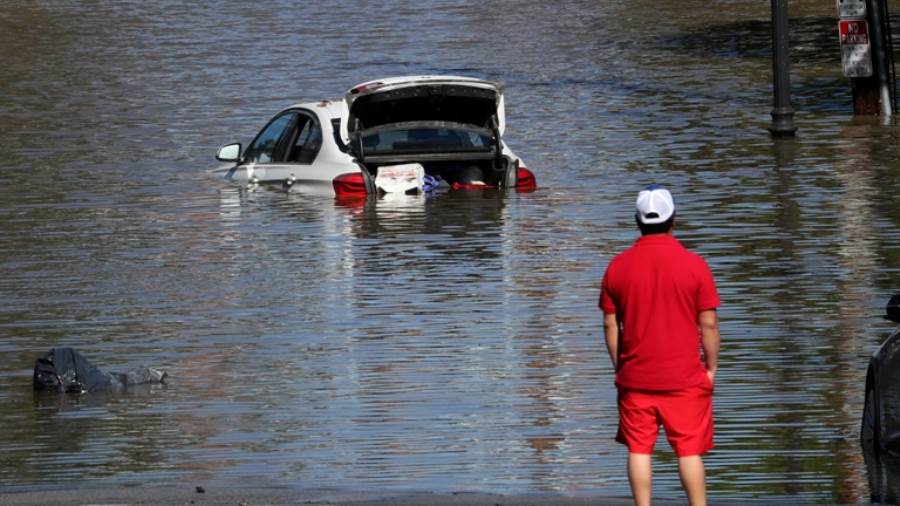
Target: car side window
(307, 140)
(263, 149)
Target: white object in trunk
(400, 178)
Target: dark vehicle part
(893, 309)
(880, 428)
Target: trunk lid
(422, 99)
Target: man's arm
(611, 330)
(709, 339)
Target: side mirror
(893, 309)
(229, 153)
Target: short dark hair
(655, 228)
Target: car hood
(455, 99)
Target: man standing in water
(659, 303)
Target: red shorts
(685, 414)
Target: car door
(263, 156)
(291, 160)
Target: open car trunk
(460, 172)
(452, 126)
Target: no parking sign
(856, 52)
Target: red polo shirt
(657, 288)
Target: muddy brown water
(440, 344)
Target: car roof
(327, 108)
(333, 108)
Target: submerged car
(880, 428)
(881, 415)
(446, 130)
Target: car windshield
(425, 140)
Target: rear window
(425, 140)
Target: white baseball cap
(654, 205)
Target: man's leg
(693, 479)
(640, 474)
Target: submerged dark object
(66, 370)
(893, 309)
(880, 431)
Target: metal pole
(889, 43)
(879, 55)
(782, 113)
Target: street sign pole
(864, 50)
(782, 112)
(880, 53)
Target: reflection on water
(441, 343)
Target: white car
(448, 128)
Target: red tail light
(352, 184)
(525, 180)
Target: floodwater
(440, 344)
